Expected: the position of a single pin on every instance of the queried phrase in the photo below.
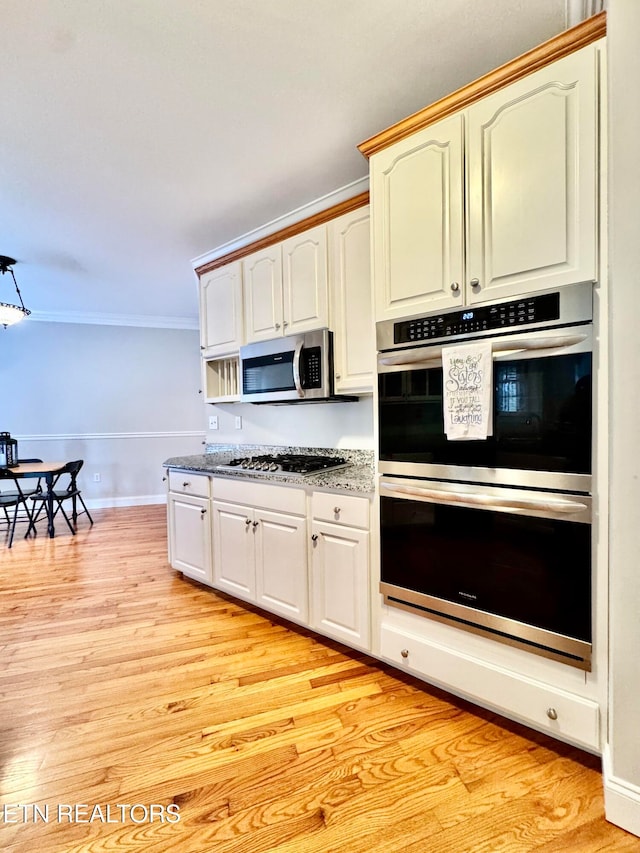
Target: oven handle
(296, 368)
(501, 503)
(435, 355)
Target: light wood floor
(125, 685)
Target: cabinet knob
(201, 347)
(203, 512)
(314, 538)
(338, 376)
(185, 484)
(256, 523)
(164, 479)
(552, 713)
(455, 286)
(405, 653)
(475, 282)
(277, 326)
(247, 521)
(336, 510)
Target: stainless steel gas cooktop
(284, 465)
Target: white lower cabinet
(545, 707)
(188, 512)
(340, 568)
(260, 545)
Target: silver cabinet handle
(164, 479)
(277, 326)
(455, 286)
(285, 324)
(256, 523)
(336, 509)
(314, 538)
(475, 282)
(203, 512)
(552, 713)
(405, 653)
(247, 521)
(184, 485)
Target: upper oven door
(541, 420)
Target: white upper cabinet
(532, 179)
(417, 221)
(286, 289)
(262, 273)
(304, 281)
(351, 301)
(221, 326)
(494, 201)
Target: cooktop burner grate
(285, 464)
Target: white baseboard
(132, 500)
(621, 798)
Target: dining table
(30, 470)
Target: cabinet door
(262, 276)
(532, 181)
(352, 301)
(233, 549)
(190, 536)
(221, 310)
(340, 583)
(417, 221)
(281, 564)
(304, 281)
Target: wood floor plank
(124, 683)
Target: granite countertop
(358, 477)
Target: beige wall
(119, 397)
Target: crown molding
(95, 319)
(271, 232)
(556, 48)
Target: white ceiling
(140, 134)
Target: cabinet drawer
(545, 707)
(265, 495)
(341, 509)
(188, 483)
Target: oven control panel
(519, 312)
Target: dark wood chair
(60, 496)
(16, 500)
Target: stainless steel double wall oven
(493, 535)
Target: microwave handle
(525, 344)
(296, 368)
(501, 503)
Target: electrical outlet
(96, 478)
(238, 422)
(213, 422)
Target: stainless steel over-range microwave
(292, 369)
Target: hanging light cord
(16, 286)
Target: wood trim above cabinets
(290, 231)
(550, 51)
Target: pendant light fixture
(9, 313)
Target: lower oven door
(511, 564)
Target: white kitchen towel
(467, 380)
